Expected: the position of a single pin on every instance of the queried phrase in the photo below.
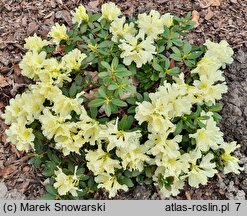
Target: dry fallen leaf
(4, 70)
(93, 5)
(187, 194)
(16, 69)
(3, 82)
(91, 95)
(207, 3)
(59, 50)
(32, 28)
(24, 186)
(209, 14)
(215, 2)
(93, 75)
(195, 18)
(7, 170)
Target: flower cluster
(172, 130)
(66, 183)
(177, 99)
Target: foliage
(120, 103)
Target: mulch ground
(223, 19)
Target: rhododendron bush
(119, 101)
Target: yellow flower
(207, 91)
(119, 138)
(35, 43)
(27, 106)
(207, 66)
(231, 163)
(110, 183)
(48, 90)
(66, 139)
(132, 50)
(58, 33)
(152, 25)
(80, 15)
(66, 183)
(51, 70)
(133, 158)
(174, 189)
(167, 19)
(50, 123)
(220, 51)
(208, 137)
(73, 60)
(64, 106)
(176, 184)
(90, 127)
(159, 144)
(199, 173)
(99, 162)
(32, 63)
(20, 136)
(14, 110)
(110, 11)
(120, 29)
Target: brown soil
(22, 18)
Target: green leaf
(73, 90)
(115, 62)
(139, 97)
(119, 102)
(215, 108)
(188, 16)
(51, 190)
(105, 44)
(154, 77)
(125, 180)
(131, 101)
(135, 173)
(174, 71)
(176, 51)
(176, 57)
(126, 122)
(93, 112)
(216, 117)
(103, 74)
(204, 118)
(201, 125)
(101, 92)
(112, 87)
(189, 63)
(48, 197)
(132, 68)
(187, 48)
(179, 128)
(48, 173)
(95, 17)
(157, 67)
(107, 109)
(97, 102)
(78, 79)
(131, 110)
(83, 28)
(189, 124)
(148, 172)
(167, 63)
(84, 177)
(177, 42)
(140, 179)
(106, 65)
(194, 55)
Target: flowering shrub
(122, 101)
